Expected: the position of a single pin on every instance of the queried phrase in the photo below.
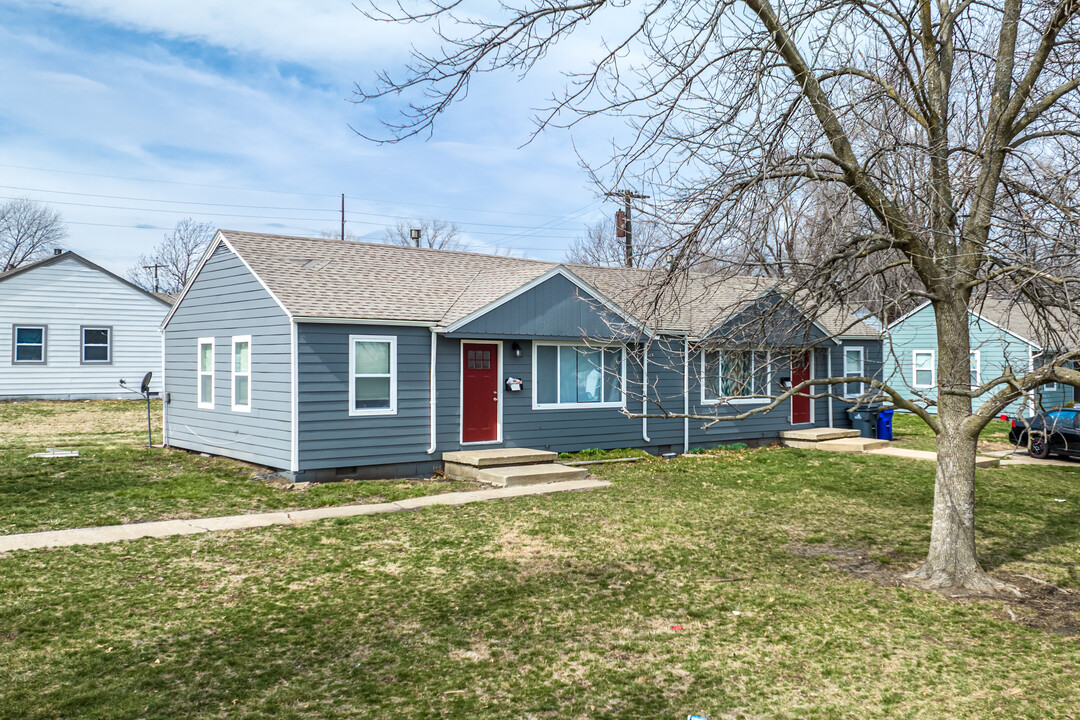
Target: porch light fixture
(517, 349)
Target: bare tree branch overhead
(29, 231)
(169, 267)
(885, 151)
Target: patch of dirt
(532, 554)
(1040, 604)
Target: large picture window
(96, 345)
(853, 367)
(735, 375)
(922, 368)
(28, 344)
(578, 375)
(241, 373)
(206, 373)
(373, 368)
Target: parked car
(1057, 432)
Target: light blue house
(1002, 336)
(321, 358)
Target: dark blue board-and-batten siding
(226, 300)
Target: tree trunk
(952, 561)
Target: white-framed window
(735, 376)
(922, 368)
(241, 373)
(96, 345)
(28, 344)
(976, 368)
(205, 361)
(853, 367)
(372, 375)
(568, 375)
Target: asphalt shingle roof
(327, 278)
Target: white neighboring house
(70, 329)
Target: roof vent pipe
(58, 251)
(414, 235)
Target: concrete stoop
(509, 467)
(809, 438)
(852, 444)
(518, 475)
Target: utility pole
(155, 266)
(342, 216)
(623, 229)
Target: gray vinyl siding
(329, 437)
(556, 309)
(227, 300)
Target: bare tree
(169, 267)
(434, 233)
(29, 231)
(599, 245)
(945, 137)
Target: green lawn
(706, 586)
(909, 431)
(117, 479)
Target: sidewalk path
(167, 528)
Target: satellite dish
(145, 387)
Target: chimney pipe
(57, 251)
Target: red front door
(800, 403)
(479, 392)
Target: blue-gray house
(1004, 335)
(321, 357)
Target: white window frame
(537, 405)
(15, 328)
(915, 368)
(976, 366)
(392, 341)
(83, 344)
(199, 372)
(720, 366)
(861, 373)
(236, 339)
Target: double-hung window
(853, 367)
(28, 344)
(206, 373)
(976, 368)
(373, 371)
(922, 368)
(568, 375)
(735, 375)
(241, 373)
(96, 345)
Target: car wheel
(1039, 447)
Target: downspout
(829, 373)
(645, 394)
(1030, 396)
(686, 394)
(294, 399)
(431, 391)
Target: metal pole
(342, 216)
(149, 433)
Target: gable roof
(328, 279)
(69, 255)
(1013, 317)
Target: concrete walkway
(928, 455)
(168, 528)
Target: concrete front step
(852, 445)
(818, 434)
(466, 464)
(517, 475)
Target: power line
(265, 190)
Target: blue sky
(128, 116)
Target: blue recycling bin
(884, 425)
